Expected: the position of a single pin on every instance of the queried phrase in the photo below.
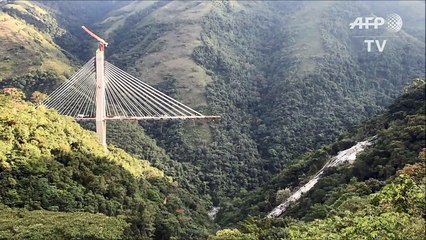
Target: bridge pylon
(100, 88)
(100, 97)
(101, 92)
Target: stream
(345, 156)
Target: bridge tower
(100, 88)
(100, 92)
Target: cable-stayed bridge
(100, 91)
(126, 97)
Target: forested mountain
(54, 168)
(380, 196)
(42, 42)
(28, 34)
(287, 77)
(48, 162)
(399, 138)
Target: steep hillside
(131, 137)
(398, 138)
(155, 40)
(61, 22)
(412, 13)
(394, 212)
(286, 76)
(342, 85)
(43, 42)
(71, 15)
(271, 81)
(27, 38)
(20, 223)
(48, 162)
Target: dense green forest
(293, 87)
(48, 162)
(394, 212)
(380, 195)
(57, 170)
(278, 94)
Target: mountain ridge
(399, 141)
(288, 79)
(28, 41)
(267, 68)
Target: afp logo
(393, 23)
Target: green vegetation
(287, 78)
(48, 162)
(395, 212)
(131, 137)
(159, 43)
(33, 82)
(274, 108)
(27, 38)
(71, 16)
(399, 140)
(24, 224)
(413, 13)
(380, 196)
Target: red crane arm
(100, 40)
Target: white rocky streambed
(348, 155)
(212, 212)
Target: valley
(294, 87)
